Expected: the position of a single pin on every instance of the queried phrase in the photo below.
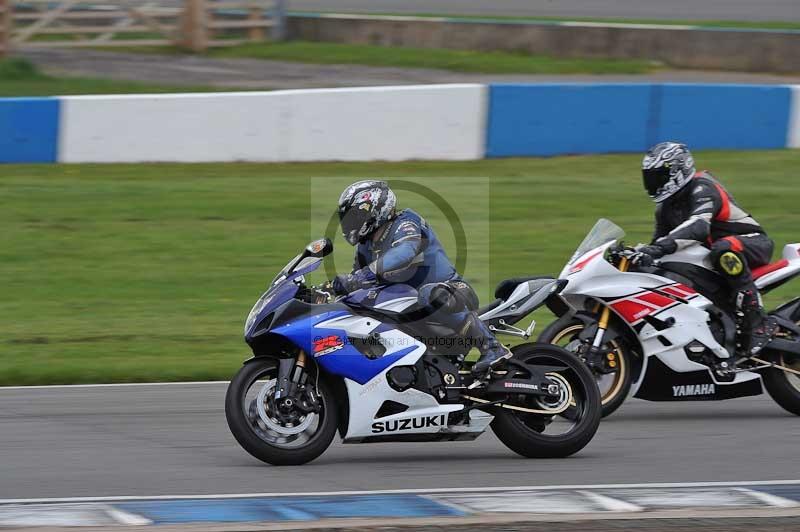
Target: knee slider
(465, 295)
(443, 298)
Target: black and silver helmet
(364, 207)
(667, 167)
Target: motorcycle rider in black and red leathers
(399, 247)
(694, 207)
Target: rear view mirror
(319, 248)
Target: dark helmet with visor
(667, 167)
(364, 207)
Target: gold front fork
(605, 316)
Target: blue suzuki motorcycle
(376, 366)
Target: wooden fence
(5, 27)
(192, 24)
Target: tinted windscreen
(604, 231)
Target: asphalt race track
(658, 9)
(173, 440)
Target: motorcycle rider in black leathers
(400, 247)
(694, 207)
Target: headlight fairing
(272, 299)
(262, 302)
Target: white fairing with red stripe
(644, 302)
(789, 267)
(634, 296)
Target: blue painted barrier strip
(29, 130)
(556, 119)
(724, 116)
(654, 116)
(578, 118)
(789, 491)
(285, 509)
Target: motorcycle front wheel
(576, 407)
(614, 386)
(275, 432)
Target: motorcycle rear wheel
(614, 387)
(784, 387)
(261, 432)
(527, 434)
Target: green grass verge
(455, 60)
(734, 24)
(19, 77)
(146, 272)
(324, 53)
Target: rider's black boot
(490, 358)
(757, 328)
(493, 353)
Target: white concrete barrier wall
(358, 124)
(793, 140)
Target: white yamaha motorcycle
(667, 332)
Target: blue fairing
(350, 363)
(271, 300)
(347, 361)
(279, 293)
(340, 357)
(380, 294)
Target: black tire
(514, 429)
(783, 387)
(564, 329)
(245, 434)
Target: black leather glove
(363, 278)
(653, 250)
(667, 244)
(340, 285)
(642, 260)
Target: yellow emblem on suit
(731, 263)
